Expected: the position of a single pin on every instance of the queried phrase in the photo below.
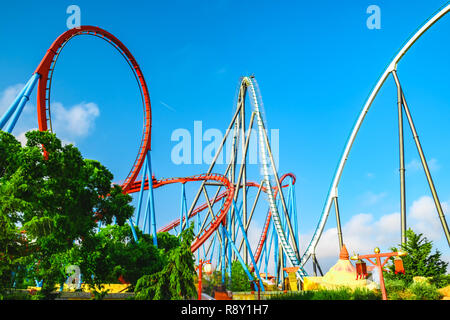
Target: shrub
(393, 285)
(424, 291)
(441, 281)
(176, 280)
(239, 278)
(336, 294)
(420, 260)
(396, 289)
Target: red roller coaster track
(130, 185)
(175, 223)
(219, 218)
(45, 70)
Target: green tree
(12, 248)
(239, 278)
(12, 245)
(113, 253)
(213, 282)
(176, 280)
(420, 260)
(52, 192)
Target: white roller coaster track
(262, 134)
(392, 67)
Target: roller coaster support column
(293, 209)
(229, 250)
(244, 189)
(316, 265)
(141, 193)
(183, 208)
(338, 220)
(18, 104)
(275, 252)
(223, 265)
(277, 180)
(12, 107)
(151, 202)
(402, 164)
(236, 251)
(133, 231)
(211, 166)
(444, 10)
(424, 161)
(281, 266)
(248, 245)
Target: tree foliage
(112, 254)
(176, 280)
(239, 278)
(52, 192)
(420, 260)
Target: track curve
(45, 70)
(219, 218)
(332, 193)
(176, 222)
(263, 236)
(256, 102)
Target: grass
(401, 290)
(337, 294)
(396, 290)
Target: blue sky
(315, 63)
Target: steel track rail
(332, 193)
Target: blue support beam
(294, 210)
(236, 251)
(13, 107)
(224, 249)
(141, 193)
(213, 246)
(229, 256)
(241, 226)
(151, 202)
(183, 206)
(275, 249)
(133, 231)
(23, 100)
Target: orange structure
(377, 256)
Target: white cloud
(21, 137)
(69, 124)
(362, 233)
(413, 165)
(77, 121)
(433, 164)
(8, 95)
(389, 223)
(370, 198)
(416, 165)
(424, 217)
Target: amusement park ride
(224, 216)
